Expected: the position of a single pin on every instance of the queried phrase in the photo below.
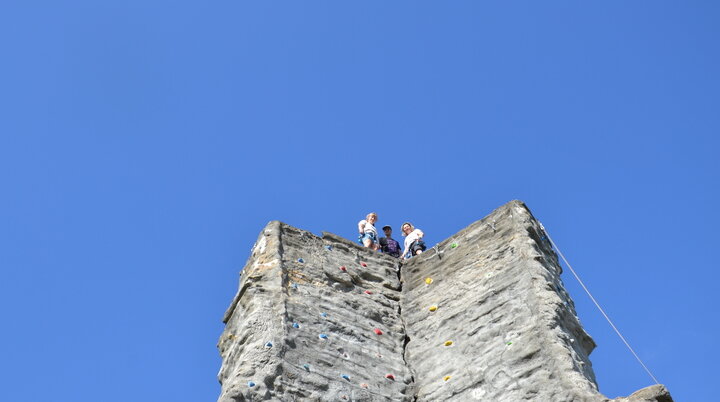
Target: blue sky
(145, 144)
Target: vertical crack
(406, 340)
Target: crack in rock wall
(481, 316)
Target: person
(368, 234)
(414, 243)
(388, 245)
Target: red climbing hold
(377, 331)
(343, 268)
(363, 264)
(390, 377)
(367, 292)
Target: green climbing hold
(453, 245)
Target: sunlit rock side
(482, 316)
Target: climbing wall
(482, 316)
(315, 319)
(488, 317)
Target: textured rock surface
(481, 316)
(292, 292)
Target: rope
(598, 305)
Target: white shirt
(410, 238)
(368, 227)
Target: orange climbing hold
(363, 385)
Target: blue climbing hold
(306, 367)
(328, 247)
(323, 336)
(323, 314)
(300, 260)
(268, 345)
(296, 325)
(251, 384)
(294, 286)
(345, 376)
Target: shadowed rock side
(302, 328)
(481, 316)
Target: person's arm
(420, 233)
(361, 226)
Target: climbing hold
(377, 331)
(448, 343)
(509, 343)
(328, 247)
(432, 308)
(268, 345)
(363, 264)
(294, 286)
(453, 245)
(363, 385)
(343, 268)
(300, 260)
(390, 377)
(323, 336)
(296, 325)
(345, 376)
(367, 292)
(323, 314)
(447, 377)
(306, 367)
(251, 384)
(428, 280)
(543, 238)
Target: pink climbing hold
(377, 331)
(343, 269)
(364, 385)
(390, 377)
(363, 264)
(367, 292)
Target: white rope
(598, 305)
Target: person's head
(371, 217)
(406, 228)
(388, 230)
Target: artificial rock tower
(481, 316)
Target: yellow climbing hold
(448, 343)
(432, 308)
(447, 377)
(428, 280)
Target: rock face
(481, 316)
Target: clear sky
(145, 144)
